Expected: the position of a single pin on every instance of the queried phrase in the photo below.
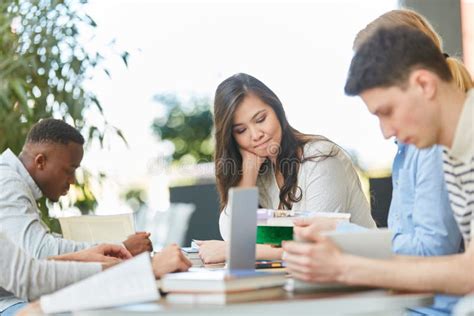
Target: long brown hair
(228, 161)
(412, 19)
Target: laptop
(243, 204)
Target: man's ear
(40, 161)
(425, 82)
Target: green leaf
(125, 56)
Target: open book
(98, 228)
(130, 282)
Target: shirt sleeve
(29, 278)
(20, 221)
(435, 231)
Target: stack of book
(222, 286)
(275, 226)
(193, 255)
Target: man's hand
(312, 226)
(170, 259)
(138, 243)
(319, 260)
(212, 251)
(105, 253)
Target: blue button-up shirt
(420, 215)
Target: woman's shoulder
(320, 146)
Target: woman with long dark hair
(256, 146)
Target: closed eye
(239, 130)
(261, 119)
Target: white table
(370, 302)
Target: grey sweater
(28, 278)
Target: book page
(130, 282)
(98, 229)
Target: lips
(262, 144)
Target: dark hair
(388, 57)
(228, 161)
(54, 131)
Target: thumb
(305, 234)
(198, 242)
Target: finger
(117, 251)
(301, 276)
(306, 233)
(186, 260)
(302, 222)
(300, 264)
(297, 248)
(123, 253)
(199, 242)
(108, 259)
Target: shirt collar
(463, 143)
(10, 159)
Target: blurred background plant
(188, 126)
(44, 66)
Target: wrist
(249, 178)
(344, 266)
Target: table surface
(341, 302)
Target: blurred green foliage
(43, 68)
(188, 126)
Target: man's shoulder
(12, 184)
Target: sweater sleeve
(20, 221)
(29, 278)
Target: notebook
(220, 281)
(98, 228)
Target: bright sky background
(300, 49)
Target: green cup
(273, 235)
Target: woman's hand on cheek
(250, 161)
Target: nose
(387, 130)
(256, 134)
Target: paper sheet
(130, 282)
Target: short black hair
(54, 131)
(388, 57)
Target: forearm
(449, 274)
(29, 278)
(249, 178)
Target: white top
(327, 185)
(458, 165)
(28, 278)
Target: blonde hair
(410, 18)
